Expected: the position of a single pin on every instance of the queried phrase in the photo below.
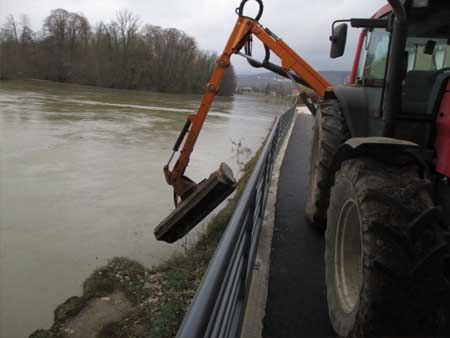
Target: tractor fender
(360, 106)
(355, 108)
(382, 148)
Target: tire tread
(404, 253)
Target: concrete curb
(255, 311)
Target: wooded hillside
(121, 54)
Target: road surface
(296, 305)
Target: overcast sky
(303, 24)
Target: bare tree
(10, 30)
(127, 26)
(9, 36)
(56, 31)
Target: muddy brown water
(81, 181)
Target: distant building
(244, 90)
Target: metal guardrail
(218, 307)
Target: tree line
(121, 54)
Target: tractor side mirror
(338, 40)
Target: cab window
(376, 60)
(362, 58)
(422, 58)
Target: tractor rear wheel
(330, 131)
(386, 253)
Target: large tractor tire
(386, 253)
(330, 131)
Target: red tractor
(379, 178)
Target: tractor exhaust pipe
(392, 103)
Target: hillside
(261, 81)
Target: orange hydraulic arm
(243, 30)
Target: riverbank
(126, 299)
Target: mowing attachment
(202, 199)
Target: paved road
(296, 305)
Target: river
(81, 181)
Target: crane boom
(244, 28)
(200, 199)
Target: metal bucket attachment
(207, 195)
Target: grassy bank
(160, 295)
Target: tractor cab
(400, 76)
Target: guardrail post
(248, 240)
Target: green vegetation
(161, 295)
(123, 54)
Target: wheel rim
(348, 257)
